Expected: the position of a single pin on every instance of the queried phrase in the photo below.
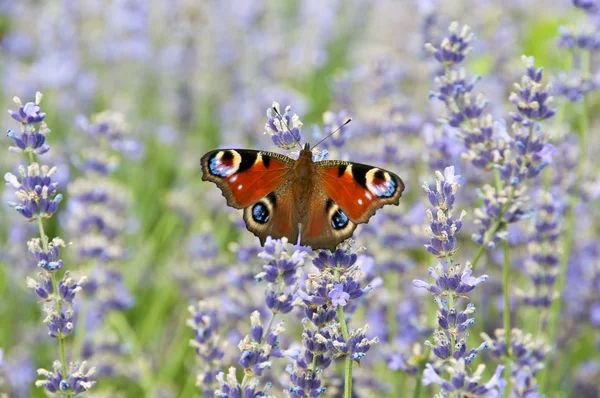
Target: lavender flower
(530, 151)
(513, 157)
(29, 139)
(442, 228)
(36, 193)
(230, 387)
(332, 122)
(356, 346)
(544, 249)
(455, 47)
(29, 113)
(326, 297)
(528, 354)
(49, 259)
(484, 141)
(283, 128)
(78, 379)
(259, 345)
(452, 282)
(38, 200)
(465, 383)
(582, 40)
(338, 296)
(342, 263)
(98, 210)
(589, 6)
(574, 87)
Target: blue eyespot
(260, 213)
(339, 220)
(222, 164)
(213, 167)
(391, 190)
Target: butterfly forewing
(245, 176)
(360, 190)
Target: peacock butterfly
(321, 202)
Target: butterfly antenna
(287, 127)
(333, 132)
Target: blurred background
(136, 91)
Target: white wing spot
(239, 186)
(234, 178)
(368, 196)
(360, 201)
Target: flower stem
(570, 221)
(507, 328)
(419, 380)
(495, 228)
(344, 327)
(506, 287)
(56, 299)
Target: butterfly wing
(245, 176)
(273, 215)
(260, 183)
(358, 189)
(326, 223)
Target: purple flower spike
(77, 381)
(283, 128)
(454, 47)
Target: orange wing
(359, 190)
(245, 176)
(326, 224)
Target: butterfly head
(306, 152)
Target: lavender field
(124, 274)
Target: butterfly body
(320, 202)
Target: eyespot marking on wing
(260, 213)
(339, 220)
(263, 209)
(224, 163)
(380, 183)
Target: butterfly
(319, 202)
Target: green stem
(118, 321)
(506, 373)
(419, 380)
(506, 287)
(490, 233)
(56, 299)
(478, 255)
(348, 378)
(570, 221)
(507, 328)
(348, 361)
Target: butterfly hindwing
(326, 225)
(273, 215)
(245, 176)
(358, 189)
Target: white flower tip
(429, 47)
(38, 97)
(12, 180)
(276, 107)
